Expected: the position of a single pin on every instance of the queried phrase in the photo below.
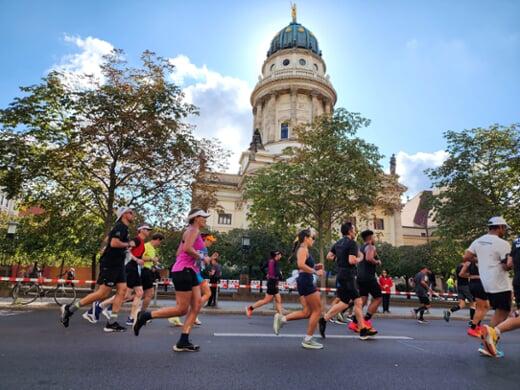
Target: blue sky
(415, 68)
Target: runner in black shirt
(112, 272)
(470, 270)
(366, 278)
(422, 289)
(463, 293)
(347, 256)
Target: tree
(332, 175)
(479, 179)
(92, 145)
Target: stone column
(294, 98)
(314, 104)
(273, 118)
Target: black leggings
(386, 302)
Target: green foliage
(479, 179)
(326, 180)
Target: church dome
(294, 36)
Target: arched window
(284, 130)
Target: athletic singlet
(184, 260)
(138, 250)
(309, 262)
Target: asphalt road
(239, 353)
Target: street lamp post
(11, 229)
(246, 244)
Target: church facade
(293, 89)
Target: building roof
(224, 179)
(294, 35)
(416, 212)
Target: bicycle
(64, 292)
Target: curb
(263, 313)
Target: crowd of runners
(129, 266)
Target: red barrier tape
(224, 284)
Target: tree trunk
(93, 271)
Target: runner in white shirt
(493, 255)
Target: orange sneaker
(353, 327)
(474, 332)
(249, 312)
(368, 323)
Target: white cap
(497, 221)
(144, 226)
(121, 211)
(198, 213)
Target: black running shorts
(371, 287)
(305, 284)
(110, 276)
(516, 288)
(464, 293)
(477, 290)
(347, 289)
(272, 287)
(424, 300)
(500, 300)
(184, 280)
(147, 278)
(133, 279)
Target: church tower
(293, 89)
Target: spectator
(450, 284)
(386, 284)
(215, 273)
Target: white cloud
(225, 111)
(87, 61)
(410, 168)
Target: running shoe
(366, 333)
(474, 332)
(422, 321)
(141, 320)
(323, 326)
(490, 339)
(114, 327)
(277, 323)
(249, 312)
(107, 312)
(65, 315)
(175, 321)
(340, 317)
(89, 317)
(311, 344)
(484, 352)
(129, 321)
(186, 347)
(447, 315)
(197, 322)
(353, 327)
(368, 323)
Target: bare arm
(469, 256)
(464, 271)
(189, 240)
(301, 257)
(370, 255)
(331, 256)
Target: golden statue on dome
(293, 12)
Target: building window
(284, 130)
(423, 234)
(302, 62)
(286, 62)
(379, 224)
(272, 67)
(316, 67)
(224, 219)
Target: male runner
(347, 256)
(112, 273)
(273, 277)
(463, 294)
(422, 288)
(366, 277)
(492, 253)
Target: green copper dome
(294, 36)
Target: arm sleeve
(505, 250)
(473, 247)
(333, 249)
(353, 249)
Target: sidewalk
(238, 307)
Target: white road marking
(332, 336)
(8, 313)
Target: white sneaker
(197, 322)
(311, 344)
(277, 323)
(89, 317)
(175, 321)
(107, 313)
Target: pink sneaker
(474, 332)
(353, 327)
